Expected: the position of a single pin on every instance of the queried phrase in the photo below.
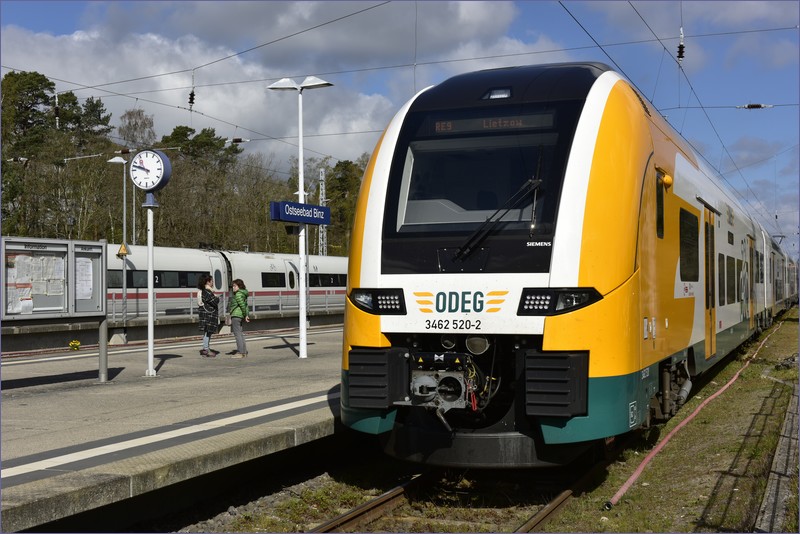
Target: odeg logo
(460, 301)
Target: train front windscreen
(477, 190)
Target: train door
(711, 298)
(220, 283)
(292, 272)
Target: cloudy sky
(150, 55)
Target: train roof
(530, 83)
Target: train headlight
(540, 301)
(477, 345)
(379, 301)
(448, 341)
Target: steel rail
(371, 510)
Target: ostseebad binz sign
(299, 213)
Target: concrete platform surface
(71, 443)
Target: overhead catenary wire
(415, 63)
(710, 122)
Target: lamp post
(287, 84)
(119, 159)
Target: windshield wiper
(483, 230)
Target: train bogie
(539, 262)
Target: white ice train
(271, 279)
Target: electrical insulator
(191, 99)
(681, 48)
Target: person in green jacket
(239, 312)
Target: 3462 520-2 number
(452, 324)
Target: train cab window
(689, 241)
(731, 282)
(721, 274)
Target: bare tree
(136, 129)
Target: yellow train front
(528, 270)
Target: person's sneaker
(238, 356)
(206, 354)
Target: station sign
(299, 213)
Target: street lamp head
(312, 82)
(284, 84)
(117, 159)
(287, 84)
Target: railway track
(373, 509)
(357, 519)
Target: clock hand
(143, 168)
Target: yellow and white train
(539, 262)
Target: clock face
(150, 170)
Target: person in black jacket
(208, 305)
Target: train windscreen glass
(454, 169)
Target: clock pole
(150, 203)
(150, 171)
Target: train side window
(193, 278)
(689, 241)
(138, 279)
(273, 280)
(218, 279)
(721, 274)
(291, 280)
(739, 288)
(324, 280)
(731, 285)
(660, 204)
(114, 279)
(169, 279)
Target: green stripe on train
(616, 405)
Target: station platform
(71, 443)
